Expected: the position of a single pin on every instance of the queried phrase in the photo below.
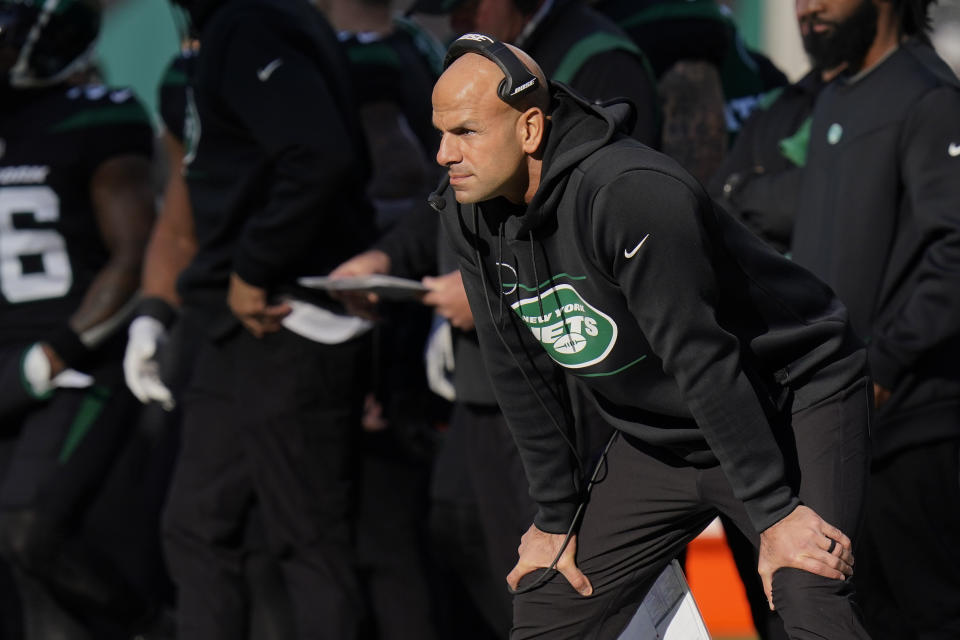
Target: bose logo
(478, 37)
(526, 85)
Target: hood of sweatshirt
(577, 129)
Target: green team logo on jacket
(574, 333)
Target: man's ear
(531, 127)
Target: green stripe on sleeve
(589, 47)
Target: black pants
(481, 508)
(65, 448)
(272, 421)
(911, 578)
(648, 507)
(391, 540)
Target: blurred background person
(393, 63)
(76, 205)
(163, 343)
(276, 168)
(879, 221)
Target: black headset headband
(517, 81)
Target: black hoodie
(689, 332)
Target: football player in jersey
(76, 205)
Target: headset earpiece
(517, 81)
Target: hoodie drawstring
(500, 271)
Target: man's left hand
(804, 540)
(880, 395)
(249, 304)
(449, 298)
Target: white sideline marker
(668, 611)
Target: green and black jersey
(580, 47)
(393, 76)
(52, 142)
(401, 68)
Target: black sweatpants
(649, 505)
(272, 421)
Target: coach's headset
(517, 80)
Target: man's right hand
(367, 263)
(538, 550)
(140, 368)
(448, 297)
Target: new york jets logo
(572, 331)
(508, 278)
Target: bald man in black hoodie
(731, 375)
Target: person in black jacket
(879, 220)
(759, 180)
(276, 169)
(732, 376)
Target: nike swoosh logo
(265, 73)
(630, 254)
(953, 149)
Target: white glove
(140, 367)
(36, 371)
(439, 360)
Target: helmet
(42, 42)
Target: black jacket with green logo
(879, 220)
(690, 332)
